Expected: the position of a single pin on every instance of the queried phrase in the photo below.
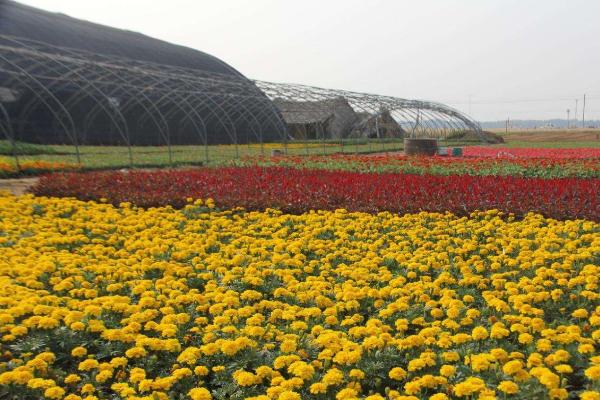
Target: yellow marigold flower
(118, 362)
(562, 355)
(586, 348)
(347, 357)
(48, 323)
(264, 371)
(145, 385)
(20, 377)
(558, 393)
(189, 355)
(544, 345)
(123, 389)
(479, 333)
(87, 365)
(38, 364)
(487, 394)
(416, 364)
(39, 383)
(288, 346)
(72, 378)
(47, 357)
(136, 375)
(333, 377)
(54, 392)
(546, 377)
(525, 338)
(103, 376)
(580, 313)
(469, 386)
(450, 356)
(77, 326)
(301, 370)
(200, 394)
(181, 373)
(19, 330)
(508, 387)
(318, 388)
(438, 396)
(498, 331)
(412, 387)
(245, 378)
(79, 352)
(289, 395)
(357, 374)
(397, 373)
(136, 352)
(481, 362)
(499, 354)
(347, 394)
(564, 369)
(589, 395)
(512, 367)
(87, 388)
(447, 370)
(401, 324)
(593, 372)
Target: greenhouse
(68, 81)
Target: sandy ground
(17, 186)
(551, 135)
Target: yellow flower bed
(8, 166)
(98, 302)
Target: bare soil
(551, 135)
(17, 186)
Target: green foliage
(23, 148)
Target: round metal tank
(420, 147)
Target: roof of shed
(307, 112)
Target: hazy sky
(519, 58)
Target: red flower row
(297, 190)
(500, 152)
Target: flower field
(343, 277)
(298, 190)
(538, 167)
(8, 169)
(482, 151)
(106, 302)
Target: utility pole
(575, 119)
(583, 116)
(507, 121)
(568, 118)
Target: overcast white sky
(525, 59)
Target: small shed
(380, 125)
(330, 119)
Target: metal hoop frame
(216, 108)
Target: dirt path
(17, 186)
